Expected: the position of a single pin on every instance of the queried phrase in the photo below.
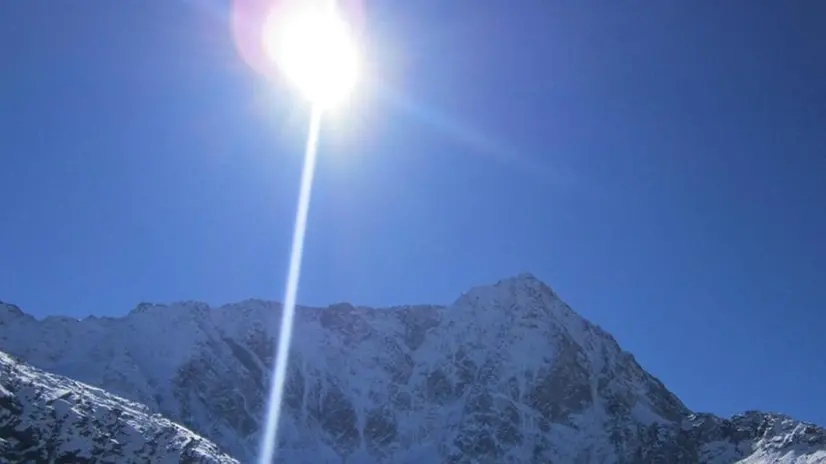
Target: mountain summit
(507, 373)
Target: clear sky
(662, 165)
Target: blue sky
(662, 165)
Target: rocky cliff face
(48, 418)
(507, 373)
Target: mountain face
(48, 418)
(506, 374)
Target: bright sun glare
(315, 48)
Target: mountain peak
(525, 294)
(515, 283)
(10, 308)
(143, 307)
(10, 312)
(522, 276)
(525, 280)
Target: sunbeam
(270, 437)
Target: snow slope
(507, 373)
(48, 418)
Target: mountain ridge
(506, 373)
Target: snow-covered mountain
(48, 418)
(507, 373)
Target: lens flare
(313, 45)
(315, 49)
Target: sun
(315, 48)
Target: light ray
(269, 439)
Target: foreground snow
(48, 418)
